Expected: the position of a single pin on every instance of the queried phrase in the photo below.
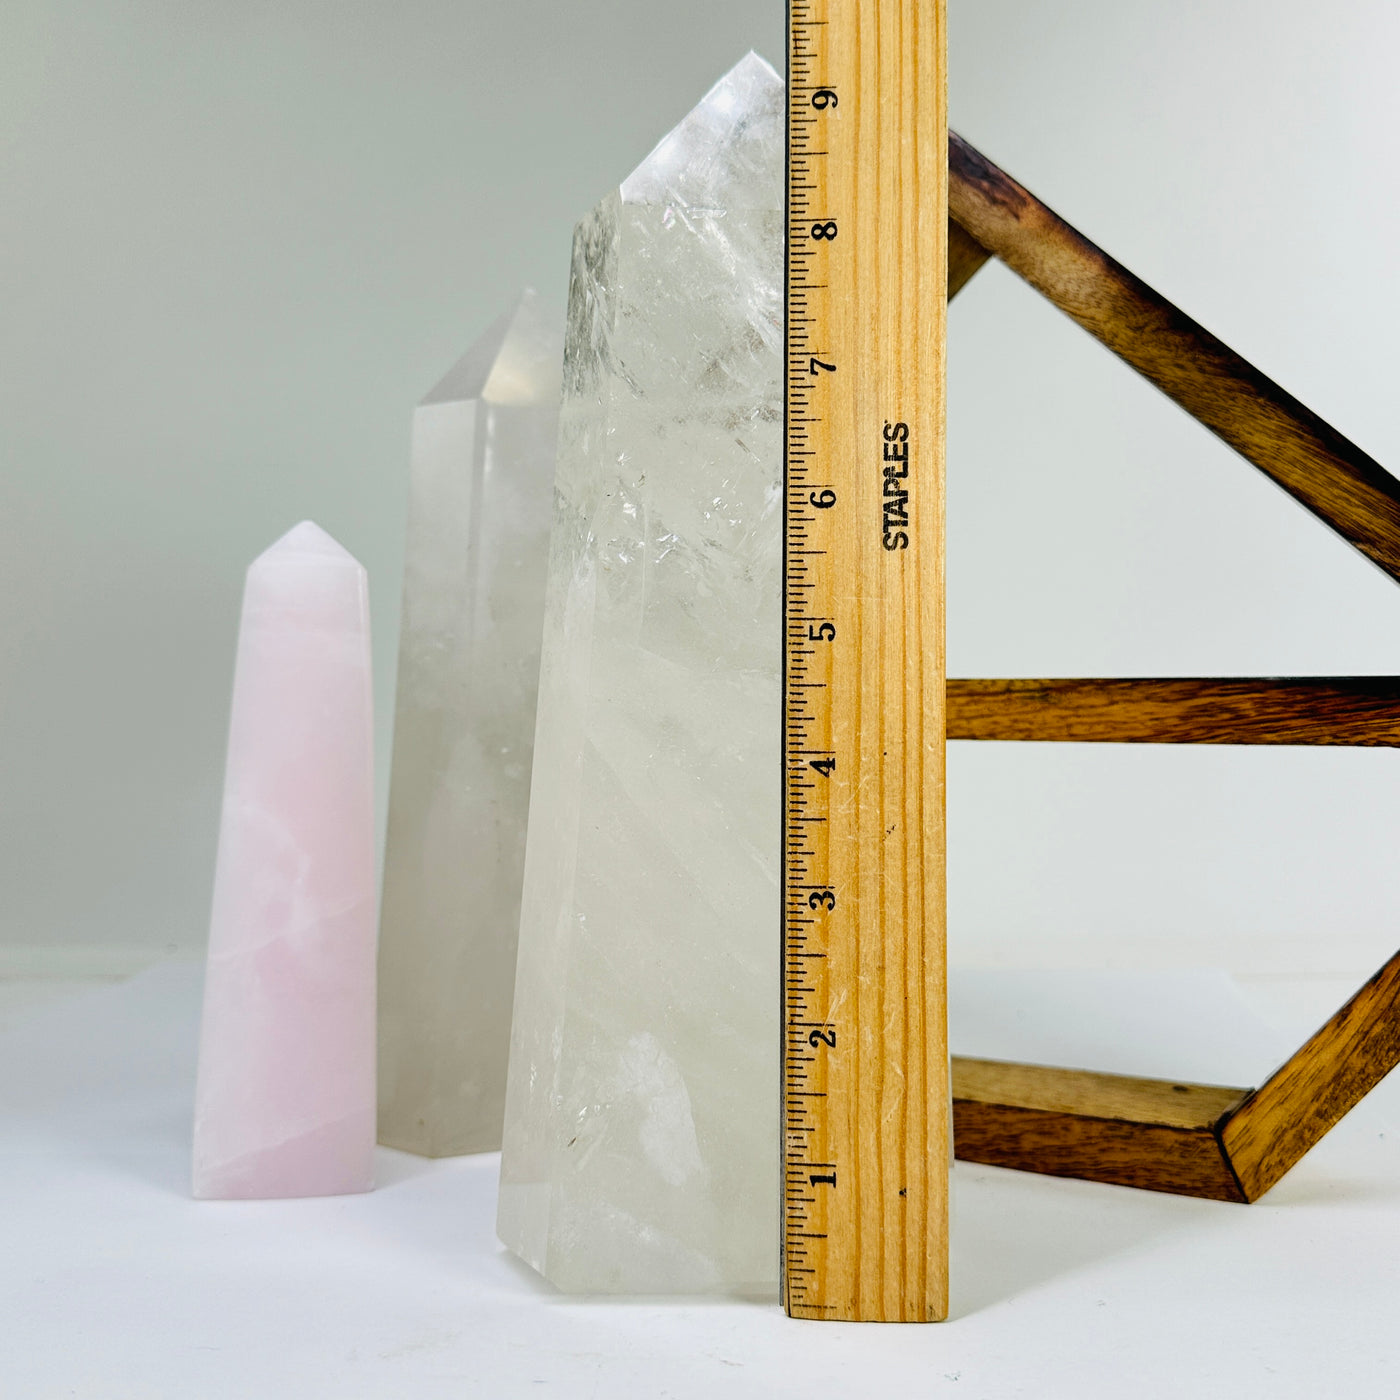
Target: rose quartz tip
(306, 540)
(285, 1102)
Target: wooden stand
(1197, 1140)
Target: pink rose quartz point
(285, 1102)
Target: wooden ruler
(865, 1064)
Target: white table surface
(114, 1285)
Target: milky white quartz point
(285, 1098)
(641, 1135)
(464, 726)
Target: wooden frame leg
(1313, 1090)
(1191, 1139)
(1148, 1133)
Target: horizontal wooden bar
(1164, 1103)
(1152, 1134)
(1314, 463)
(1360, 711)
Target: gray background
(238, 241)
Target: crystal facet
(464, 728)
(285, 1098)
(641, 1147)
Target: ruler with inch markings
(865, 1111)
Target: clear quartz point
(464, 727)
(641, 1135)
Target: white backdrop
(238, 242)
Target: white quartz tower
(641, 1138)
(464, 726)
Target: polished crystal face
(641, 1139)
(464, 727)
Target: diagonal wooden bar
(965, 258)
(1332, 477)
(1338, 710)
(1318, 1086)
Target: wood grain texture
(965, 257)
(865, 1110)
(1182, 1161)
(1125, 1098)
(1314, 463)
(1270, 1132)
(1342, 710)
(1152, 1134)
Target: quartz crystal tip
(515, 362)
(720, 155)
